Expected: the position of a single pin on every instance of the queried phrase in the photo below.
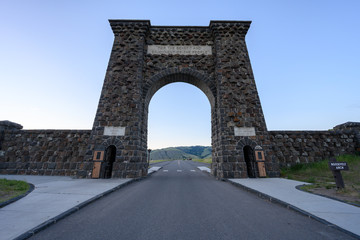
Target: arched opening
(197, 81)
(180, 75)
(250, 161)
(179, 115)
(107, 164)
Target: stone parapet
(119, 26)
(43, 152)
(352, 126)
(8, 125)
(62, 152)
(291, 147)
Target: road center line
(179, 170)
(165, 170)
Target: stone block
(51, 165)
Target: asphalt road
(181, 202)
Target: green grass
(162, 160)
(204, 160)
(12, 188)
(319, 174)
(308, 172)
(319, 171)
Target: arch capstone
(213, 58)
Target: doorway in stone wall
(250, 161)
(107, 165)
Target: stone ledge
(348, 125)
(8, 125)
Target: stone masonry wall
(291, 147)
(43, 152)
(62, 152)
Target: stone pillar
(240, 119)
(120, 110)
(352, 128)
(6, 126)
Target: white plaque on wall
(114, 131)
(244, 131)
(179, 49)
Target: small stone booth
(214, 58)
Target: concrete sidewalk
(283, 191)
(52, 199)
(56, 197)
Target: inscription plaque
(244, 131)
(179, 49)
(114, 131)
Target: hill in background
(174, 153)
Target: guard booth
(260, 160)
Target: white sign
(244, 131)
(114, 131)
(179, 49)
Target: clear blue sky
(304, 54)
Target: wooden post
(336, 167)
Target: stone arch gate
(215, 59)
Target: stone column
(120, 110)
(240, 117)
(351, 128)
(7, 126)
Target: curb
(72, 210)
(31, 188)
(149, 174)
(292, 207)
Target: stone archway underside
(144, 58)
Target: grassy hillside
(199, 151)
(173, 153)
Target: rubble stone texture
(42, 152)
(133, 76)
(291, 147)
